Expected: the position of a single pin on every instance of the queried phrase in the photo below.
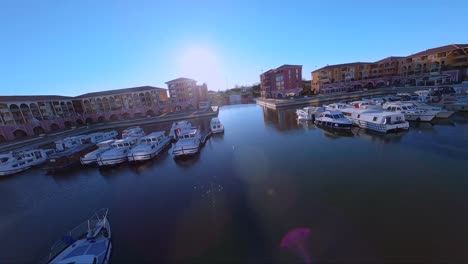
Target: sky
(68, 47)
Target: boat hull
(382, 128)
(63, 161)
(6, 172)
(217, 130)
(419, 117)
(111, 161)
(185, 151)
(333, 125)
(445, 114)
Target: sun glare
(203, 65)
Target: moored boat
(189, 142)
(177, 127)
(135, 131)
(333, 119)
(88, 243)
(216, 126)
(441, 113)
(92, 157)
(376, 120)
(14, 162)
(149, 146)
(410, 111)
(68, 153)
(118, 152)
(309, 112)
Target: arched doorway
(369, 85)
(38, 130)
(89, 120)
(114, 117)
(2, 138)
(79, 122)
(125, 116)
(68, 124)
(101, 119)
(54, 127)
(150, 113)
(19, 133)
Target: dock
(335, 97)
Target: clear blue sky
(72, 47)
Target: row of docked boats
(104, 149)
(390, 113)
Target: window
(404, 108)
(289, 74)
(297, 74)
(398, 108)
(279, 82)
(374, 119)
(393, 108)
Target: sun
(203, 65)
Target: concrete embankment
(38, 141)
(325, 98)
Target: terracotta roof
(181, 79)
(342, 65)
(439, 49)
(391, 58)
(22, 98)
(288, 65)
(120, 91)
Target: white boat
(88, 243)
(102, 136)
(189, 142)
(118, 152)
(365, 104)
(423, 93)
(14, 162)
(135, 131)
(453, 103)
(410, 111)
(376, 120)
(337, 106)
(309, 113)
(92, 157)
(216, 126)
(177, 127)
(441, 113)
(333, 119)
(149, 146)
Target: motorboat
(92, 157)
(189, 142)
(309, 113)
(410, 111)
(333, 119)
(103, 136)
(337, 106)
(149, 146)
(89, 242)
(216, 126)
(376, 120)
(423, 93)
(14, 162)
(135, 131)
(365, 104)
(453, 103)
(177, 127)
(441, 113)
(68, 153)
(118, 152)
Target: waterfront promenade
(37, 141)
(323, 98)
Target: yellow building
(442, 65)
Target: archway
(68, 124)
(19, 133)
(279, 96)
(35, 111)
(357, 87)
(89, 120)
(54, 127)
(114, 117)
(369, 85)
(150, 113)
(26, 112)
(79, 122)
(38, 130)
(397, 82)
(177, 108)
(380, 84)
(125, 116)
(101, 119)
(2, 138)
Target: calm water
(364, 197)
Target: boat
(91, 157)
(135, 131)
(453, 103)
(309, 112)
(216, 126)
(410, 111)
(103, 136)
(376, 120)
(365, 104)
(149, 146)
(14, 162)
(68, 153)
(441, 113)
(89, 242)
(177, 127)
(189, 142)
(118, 152)
(333, 119)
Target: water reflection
(282, 119)
(377, 137)
(307, 125)
(335, 134)
(187, 161)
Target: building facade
(22, 116)
(281, 82)
(437, 66)
(184, 93)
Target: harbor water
(355, 197)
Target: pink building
(22, 116)
(184, 93)
(282, 81)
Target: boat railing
(77, 233)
